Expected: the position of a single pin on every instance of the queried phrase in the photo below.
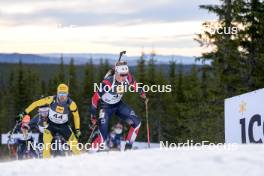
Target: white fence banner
(244, 118)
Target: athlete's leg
(104, 117)
(69, 136)
(47, 138)
(128, 114)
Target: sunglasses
(62, 94)
(123, 75)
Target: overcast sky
(102, 26)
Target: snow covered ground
(242, 160)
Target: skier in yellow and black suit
(60, 106)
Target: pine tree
(151, 80)
(52, 84)
(61, 74)
(20, 93)
(34, 90)
(250, 14)
(73, 81)
(103, 68)
(192, 86)
(134, 101)
(4, 115)
(88, 81)
(172, 75)
(170, 120)
(180, 97)
(87, 92)
(141, 70)
(226, 59)
(159, 111)
(151, 71)
(43, 89)
(74, 91)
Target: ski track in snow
(244, 160)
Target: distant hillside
(47, 71)
(81, 59)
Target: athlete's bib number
(57, 117)
(111, 98)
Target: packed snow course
(240, 160)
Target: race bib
(58, 117)
(120, 89)
(111, 98)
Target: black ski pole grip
(121, 54)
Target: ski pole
(121, 54)
(92, 133)
(9, 137)
(148, 135)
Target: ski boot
(128, 146)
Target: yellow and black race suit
(58, 121)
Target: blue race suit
(110, 101)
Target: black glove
(78, 133)
(20, 116)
